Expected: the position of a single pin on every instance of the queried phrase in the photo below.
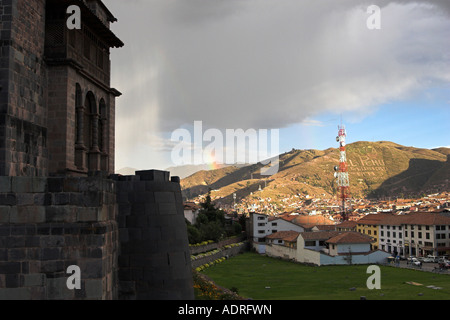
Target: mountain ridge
(376, 169)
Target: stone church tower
(57, 106)
(61, 204)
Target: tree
(209, 225)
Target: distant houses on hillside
(371, 239)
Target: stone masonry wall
(23, 114)
(154, 262)
(48, 224)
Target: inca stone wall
(49, 224)
(155, 259)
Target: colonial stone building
(60, 203)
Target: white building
(391, 237)
(325, 248)
(262, 225)
(416, 234)
(191, 211)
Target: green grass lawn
(253, 274)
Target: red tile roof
(347, 224)
(311, 221)
(350, 237)
(320, 235)
(374, 218)
(289, 236)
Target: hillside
(375, 169)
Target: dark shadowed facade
(60, 202)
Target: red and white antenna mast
(342, 172)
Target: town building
(191, 211)
(369, 225)
(413, 234)
(324, 248)
(262, 225)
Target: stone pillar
(94, 120)
(154, 261)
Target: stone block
(164, 197)
(87, 214)
(8, 199)
(17, 254)
(52, 266)
(61, 198)
(50, 254)
(4, 214)
(38, 184)
(153, 175)
(91, 268)
(175, 179)
(21, 184)
(28, 214)
(34, 280)
(61, 213)
(94, 289)
(15, 293)
(52, 241)
(5, 184)
(55, 184)
(57, 289)
(10, 267)
(167, 209)
(25, 199)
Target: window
(310, 243)
(427, 235)
(420, 235)
(274, 224)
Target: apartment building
(415, 234)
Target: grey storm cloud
(269, 64)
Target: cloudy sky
(299, 66)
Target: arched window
(89, 130)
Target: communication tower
(341, 172)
